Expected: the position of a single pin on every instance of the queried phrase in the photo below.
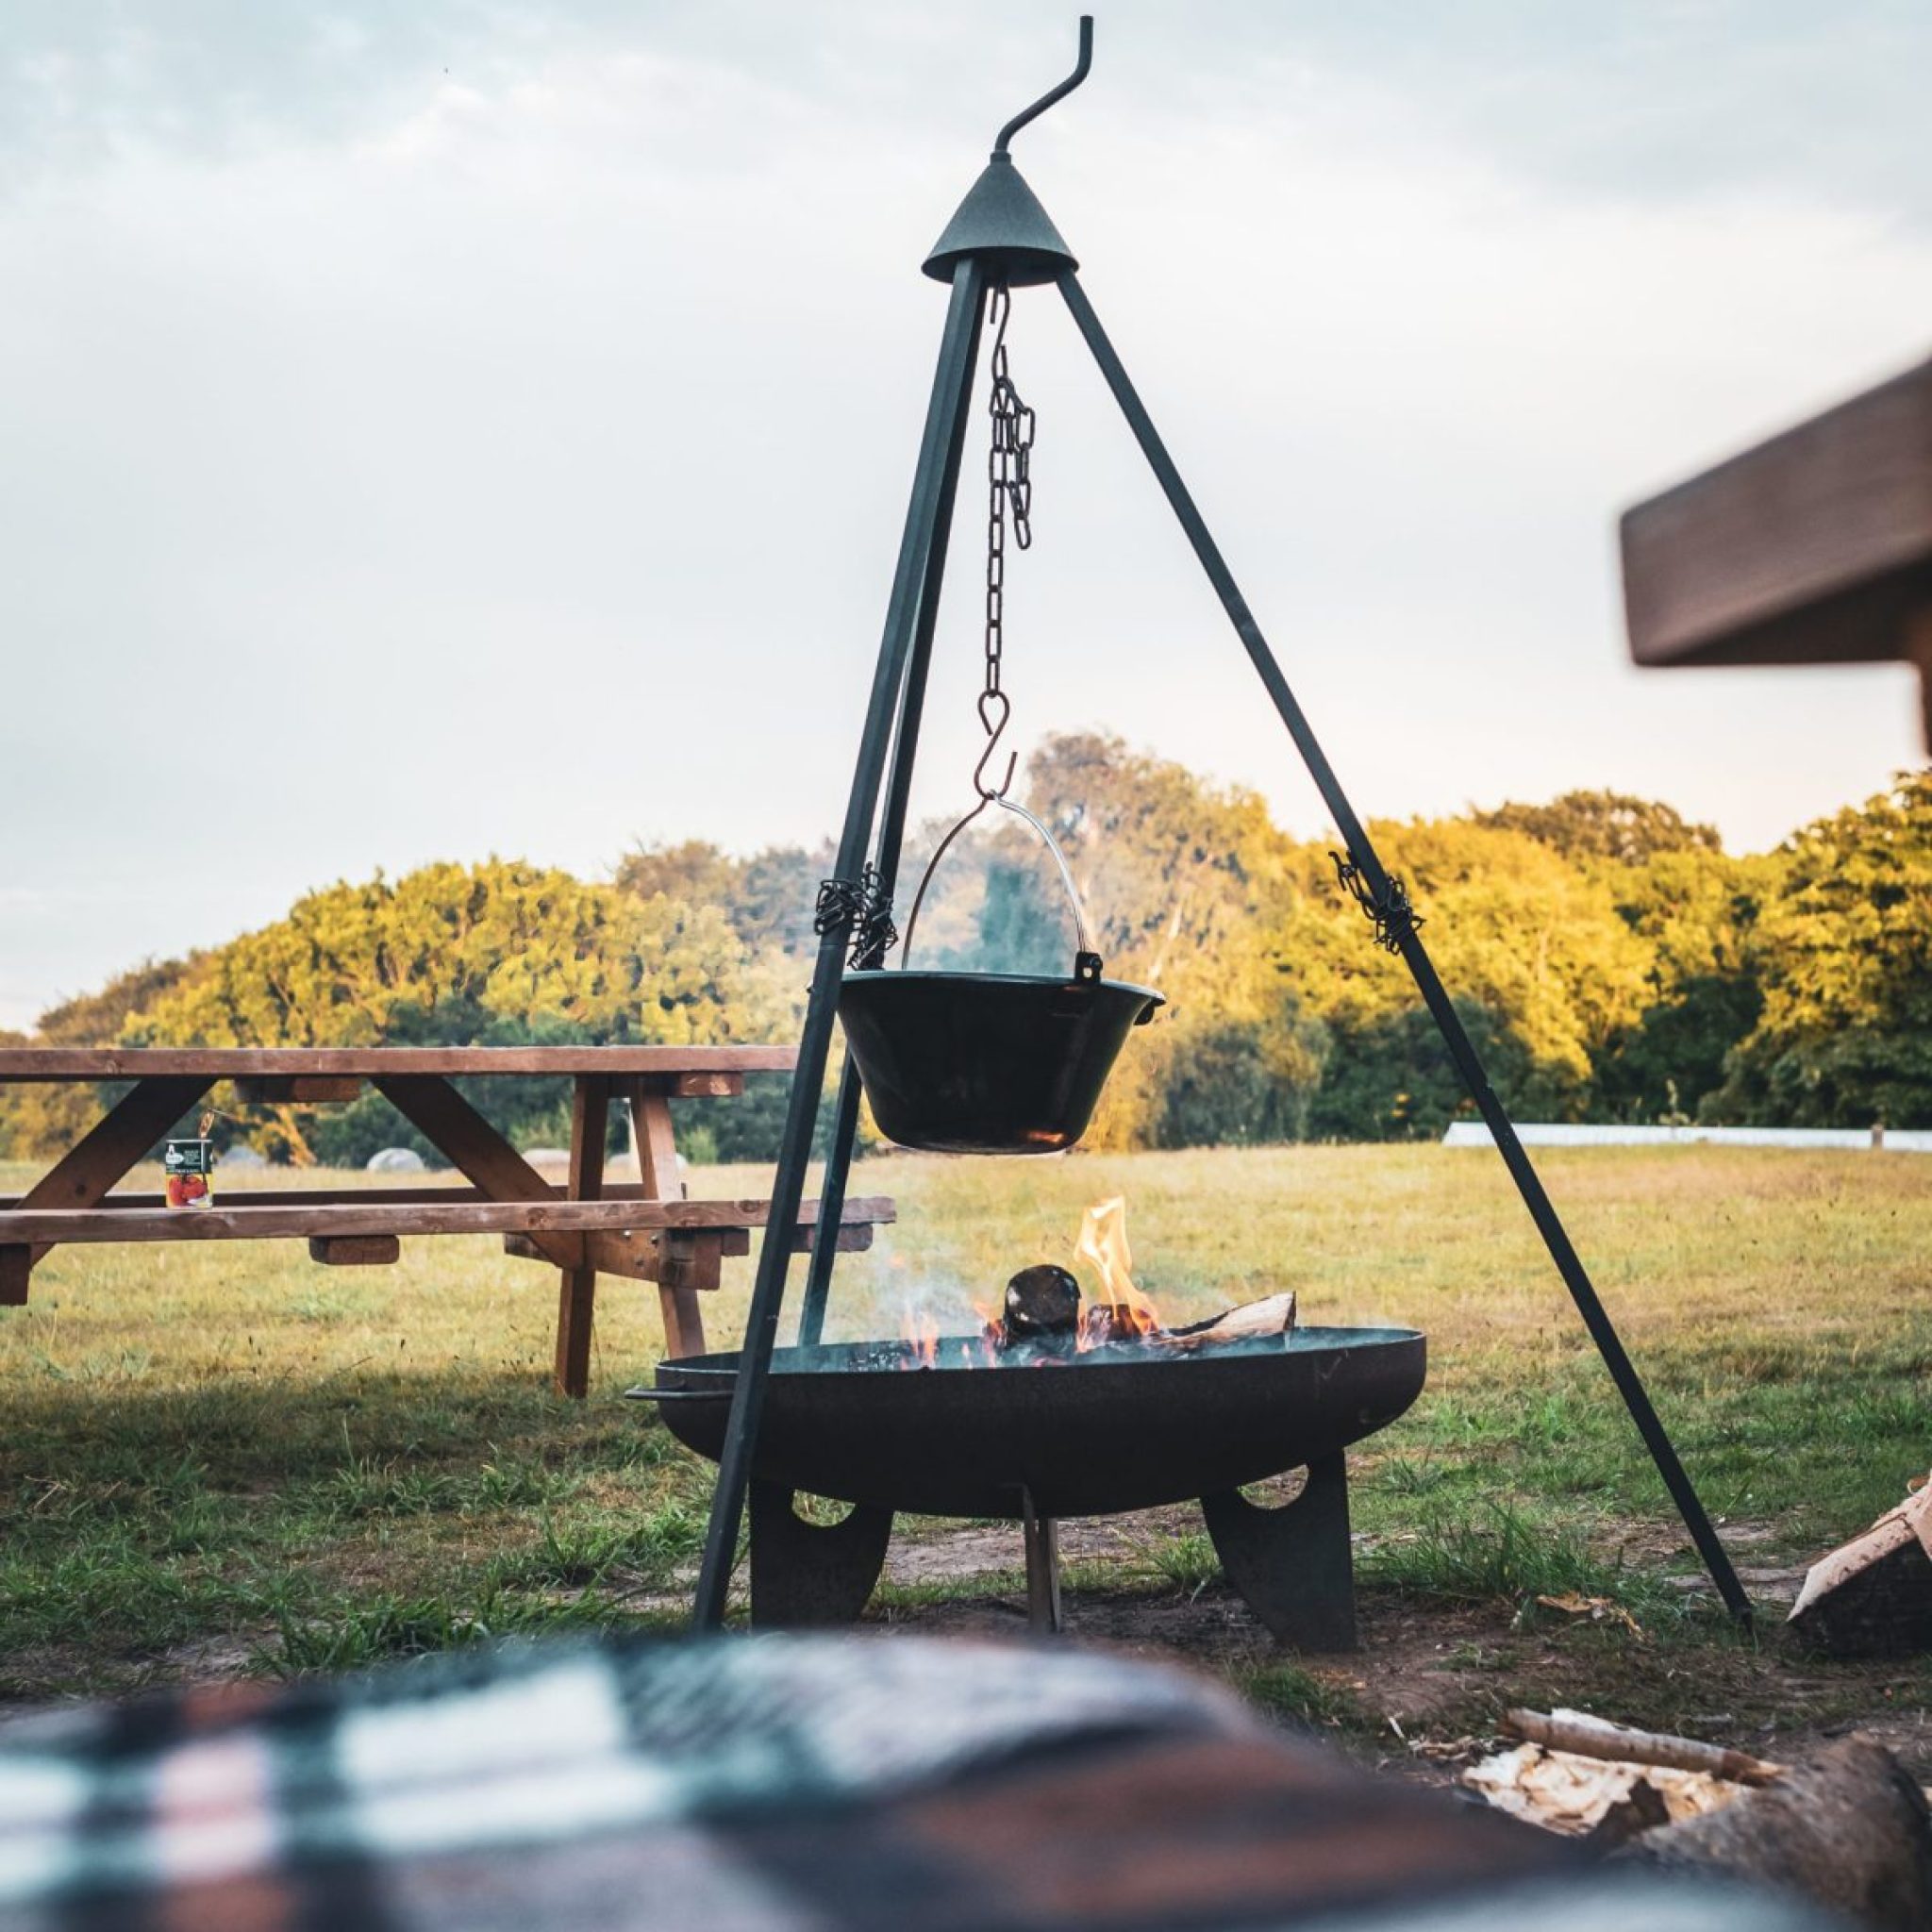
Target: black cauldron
(988, 1062)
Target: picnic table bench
(645, 1229)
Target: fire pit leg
(1293, 1566)
(805, 1573)
(1043, 1537)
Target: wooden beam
(853, 1238)
(465, 1139)
(689, 1265)
(576, 1294)
(1812, 548)
(212, 1063)
(241, 1193)
(687, 1260)
(100, 1157)
(706, 1086)
(629, 1255)
(657, 1145)
(677, 1258)
(678, 1276)
(354, 1249)
(298, 1089)
(541, 1219)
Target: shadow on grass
(323, 1524)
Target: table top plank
(1814, 547)
(233, 1192)
(27, 1063)
(550, 1216)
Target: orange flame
(1120, 1311)
(921, 1331)
(992, 1333)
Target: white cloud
(512, 459)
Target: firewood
(1584, 1736)
(1273, 1315)
(1115, 1322)
(1848, 1828)
(1642, 1808)
(1575, 1797)
(1873, 1596)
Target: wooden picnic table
(645, 1229)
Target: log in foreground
(1847, 1828)
(1873, 1596)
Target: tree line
(1612, 960)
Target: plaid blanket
(763, 1784)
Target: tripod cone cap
(1000, 220)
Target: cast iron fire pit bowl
(1115, 1429)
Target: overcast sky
(449, 428)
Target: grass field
(222, 1458)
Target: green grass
(219, 1456)
(1297, 1694)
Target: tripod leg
(937, 453)
(824, 1253)
(1405, 940)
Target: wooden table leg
(684, 1327)
(577, 1295)
(492, 1166)
(82, 1177)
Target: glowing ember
(1121, 1312)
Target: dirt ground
(1421, 1695)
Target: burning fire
(920, 1331)
(1120, 1311)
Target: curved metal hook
(1047, 99)
(994, 734)
(988, 793)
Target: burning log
(1042, 1309)
(1273, 1315)
(1116, 1322)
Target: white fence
(1888, 1140)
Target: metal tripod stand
(1002, 235)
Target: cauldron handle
(1087, 965)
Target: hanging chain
(1009, 492)
(863, 907)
